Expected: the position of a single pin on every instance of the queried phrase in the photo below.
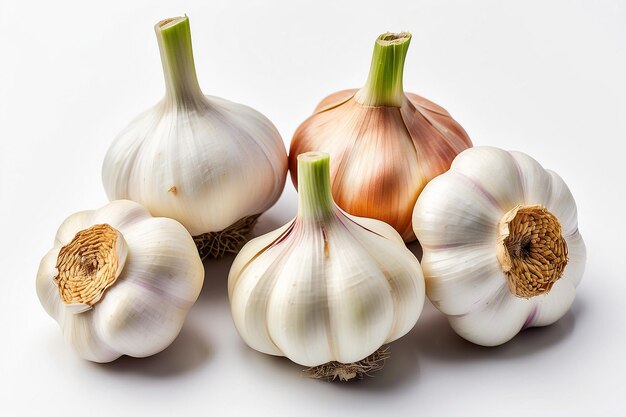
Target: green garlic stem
(174, 37)
(315, 200)
(384, 83)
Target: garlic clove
(469, 275)
(138, 321)
(84, 338)
(545, 187)
(577, 255)
(47, 290)
(487, 163)
(388, 196)
(171, 257)
(552, 306)
(536, 181)
(495, 325)
(562, 205)
(253, 248)
(250, 291)
(420, 117)
(72, 225)
(466, 214)
(406, 306)
(122, 215)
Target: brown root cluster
(87, 265)
(334, 370)
(229, 240)
(531, 250)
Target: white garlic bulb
(502, 251)
(119, 281)
(327, 287)
(209, 163)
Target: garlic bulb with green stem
(328, 289)
(209, 163)
(502, 250)
(384, 144)
(119, 281)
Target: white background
(547, 78)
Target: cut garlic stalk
(209, 163)
(384, 145)
(120, 282)
(328, 289)
(502, 251)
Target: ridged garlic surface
(502, 250)
(327, 286)
(119, 281)
(204, 161)
(384, 145)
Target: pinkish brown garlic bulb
(385, 145)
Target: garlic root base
(334, 370)
(229, 240)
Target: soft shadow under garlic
(215, 288)
(185, 354)
(401, 370)
(434, 338)
(270, 366)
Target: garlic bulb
(502, 251)
(384, 145)
(326, 290)
(209, 163)
(119, 281)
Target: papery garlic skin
(202, 160)
(142, 312)
(457, 220)
(384, 144)
(327, 286)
